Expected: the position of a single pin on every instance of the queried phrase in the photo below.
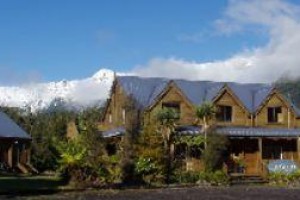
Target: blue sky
(71, 39)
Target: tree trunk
(205, 132)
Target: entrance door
(16, 154)
(251, 156)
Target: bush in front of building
(216, 178)
(284, 179)
(214, 154)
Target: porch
(14, 155)
(14, 147)
(251, 149)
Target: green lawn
(11, 184)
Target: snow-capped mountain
(81, 93)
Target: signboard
(284, 166)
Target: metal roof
(199, 91)
(9, 129)
(114, 132)
(146, 90)
(228, 131)
(258, 132)
(188, 130)
(292, 104)
(251, 95)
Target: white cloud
(263, 64)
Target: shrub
(187, 177)
(217, 178)
(283, 179)
(147, 169)
(213, 155)
(113, 174)
(150, 164)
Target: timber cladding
(240, 116)
(287, 118)
(173, 95)
(113, 113)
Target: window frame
(173, 105)
(273, 114)
(222, 115)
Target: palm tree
(167, 118)
(205, 112)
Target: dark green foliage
(215, 153)
(46, 129)
(127, 162)
(216, 178)
(150, 161)
(81, 160)
(290, 88)
(205, 111)
(49, 126)
(186, 176)
(167, 118)
(283, 179)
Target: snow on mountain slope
(81, 93)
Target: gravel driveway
(236, 192)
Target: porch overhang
(189, 130)
(116, 132)
(256, 132)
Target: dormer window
(173, 105)
(224, 114)
(275, 115)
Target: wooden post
(298, 149)
(10, 155)
(28, 152)
(260, 163)
(172, 151)
(289, 118)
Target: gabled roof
(291, 104)
(199, 91)
(9, 129)
(146, 90)
(251, 95)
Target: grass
(30, 184)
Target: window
(173, 105)
(278, 149)
(124, 116)
(224, 113)
(274, 115)
(110, 118)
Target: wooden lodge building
(14, 147)
(260, 122)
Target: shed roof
(119, 131)
(258, 132)
(230, 131)
(9, 129)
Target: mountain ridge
(80, 93)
